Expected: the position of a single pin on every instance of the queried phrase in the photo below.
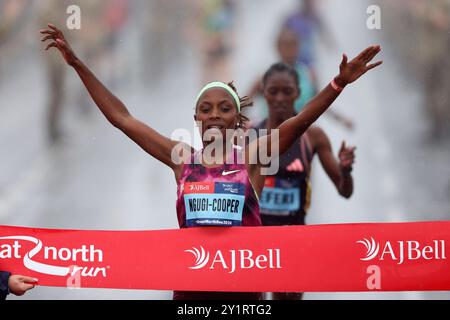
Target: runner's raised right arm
(114, 110)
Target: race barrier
(316, 258)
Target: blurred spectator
(54, 11)
(12, 13)
(161, 24)
(427, 26)
(14, 16)
(288, 47)
(115, 17)
(101, 22)
(213, 33)
(308, 26)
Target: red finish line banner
(349, 257)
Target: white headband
(224, 86)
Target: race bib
(278, 200)
(214, 203)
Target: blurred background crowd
(418, 31)
(63, 166)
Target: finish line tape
(321, 258)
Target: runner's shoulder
(316, 136)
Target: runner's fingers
(347, 153)
(344, 60)
(48, 37)
(46, 31)
(347, 157)
(347, 163)
(53, 44)
(363, 53)
(351, 152)
(372, 54)
(57, 31)
(54, 28)
(366, 53)
(28, 279)
(27, 286)
(373, 65)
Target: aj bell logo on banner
(233, 260)
(86, 254)
(402, 251)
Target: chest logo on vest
(296, 166)
(227, 173)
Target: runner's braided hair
(245, 103)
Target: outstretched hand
(351, 71)
(18, 285)
(346, 158)
(58, 41)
